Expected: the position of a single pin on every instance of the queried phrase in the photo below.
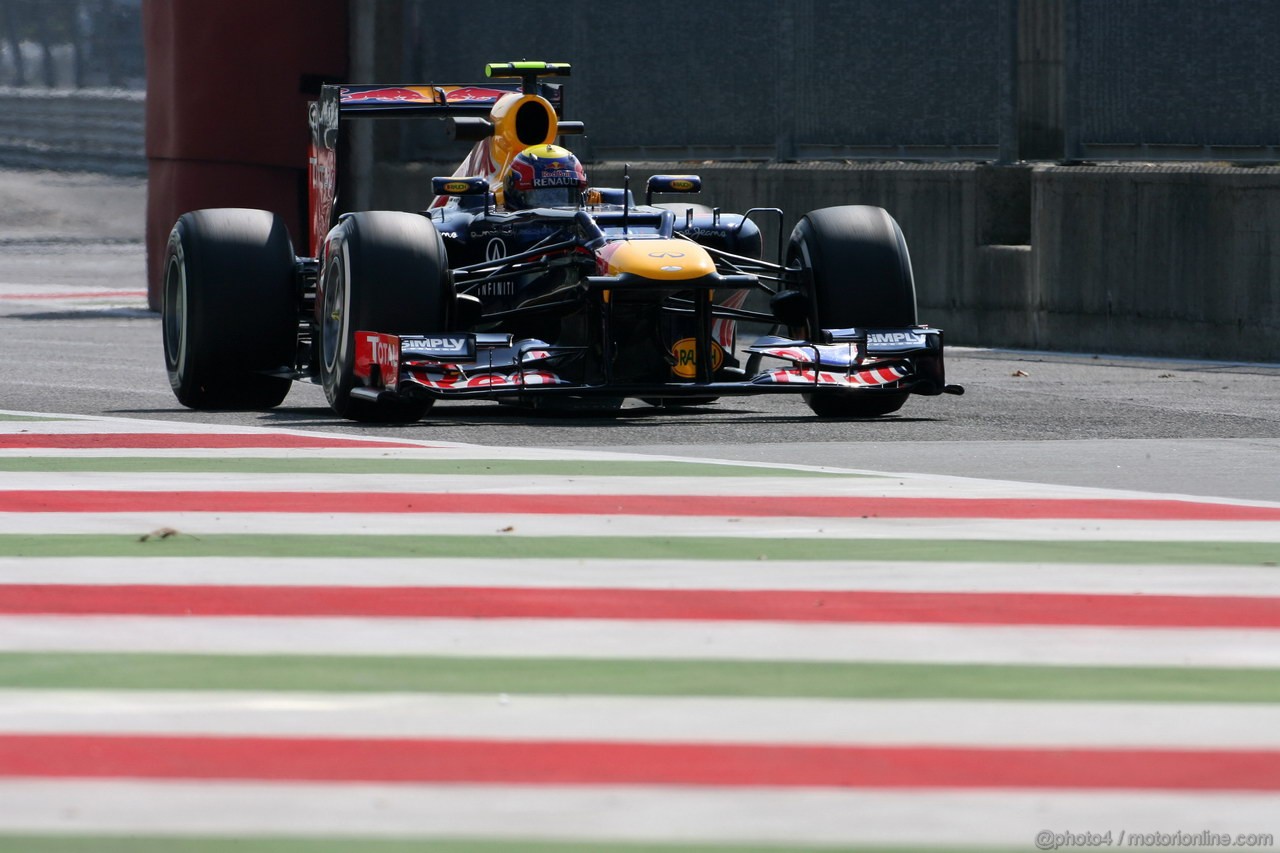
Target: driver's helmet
(544, 176)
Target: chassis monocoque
(562, 307)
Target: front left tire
(384, 271)
(858, 275)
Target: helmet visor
(552, 197)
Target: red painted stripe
(166, 441)
(962, 608)
(605, 763)
(687, 505)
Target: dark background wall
(1183, 73)
(946, 79)
(752, 79)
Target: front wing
(496, 366)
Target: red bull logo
(390, 94)
(473, 94)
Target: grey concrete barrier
(1168, 259)
(90, 130)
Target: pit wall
(1169, 260)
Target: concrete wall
(1178, 260)
(1169, 260)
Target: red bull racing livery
(523, 283)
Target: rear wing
(350, 101)
(428, 101)
(381, 101)
(469, 106)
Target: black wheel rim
(175, 311)
(331, 320)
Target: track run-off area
(236, 638)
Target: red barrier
(227, 89)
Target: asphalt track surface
(75, 337)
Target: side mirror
(459, 186)
(671, 184)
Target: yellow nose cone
(661, 260)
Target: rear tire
(385, 272)
(858, 276)
(228, 309)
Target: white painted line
(650, 574)
(744, 527)
(644, 719)
(557, 484)
(934, 818)
(48, 290)
(652, 639)
(441, 451)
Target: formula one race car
(523, 284)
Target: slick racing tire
(385, 271)
(228, 309)
(859, 275)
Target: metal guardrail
(93, 130)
